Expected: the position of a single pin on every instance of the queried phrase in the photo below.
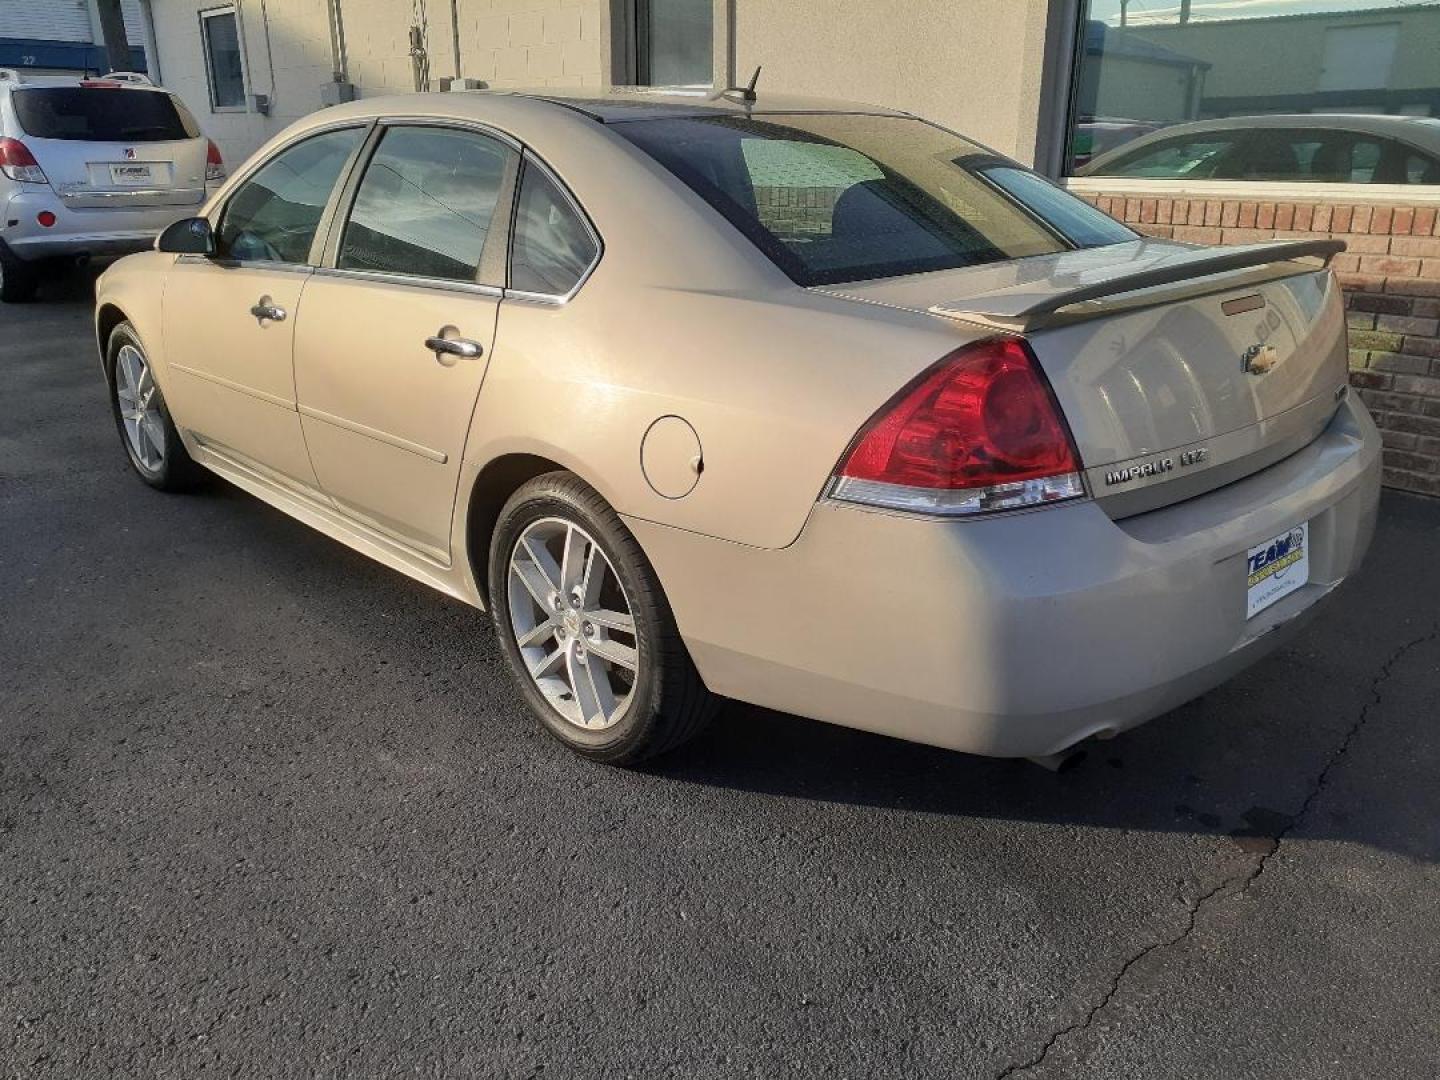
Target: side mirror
(189, 236)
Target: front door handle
(464, 348)
(265, 308)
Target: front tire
(146, 431)
(585, 627)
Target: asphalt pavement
(270, 810)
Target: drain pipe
(455, 35)
(339, 59)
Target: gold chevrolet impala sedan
(808, 404)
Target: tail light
(214, 163)
(979, 431)
(18, 163)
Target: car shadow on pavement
(1349, 708)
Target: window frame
(494, 256)
(205, 15)
(1068, 26)
(226, 195)
(529, 160)
(634, 19)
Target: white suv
(92, 167)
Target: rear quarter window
(102, 114)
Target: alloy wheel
(139, 411)
(573, 624)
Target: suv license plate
(129, 175)
(1277, 568)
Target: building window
(1295, 91)
(224, 65)
(674, 42)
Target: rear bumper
(1022, 634)
(108, 231)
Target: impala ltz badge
(1259, 359)
(1141, 470)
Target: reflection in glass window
(1340, 91)
(272, 217)
(425, 204)
(552, 248)
(847, 197)
(223, 64)
(673, 42)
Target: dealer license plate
(1277, 568)
(130, 175)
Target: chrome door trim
(437, 456)
(249, 264)
(413, 281)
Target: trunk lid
(1178, 369)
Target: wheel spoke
(544, 562)
(155, 430)
(145, 385)
(574, 565)
(617, 654)
(542, 630)
(533, 578)
(547, 664)
(585, 694)
(611, 620)
(599, 680)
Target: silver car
(92, 167)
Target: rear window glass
(103, 114)
(841, 197)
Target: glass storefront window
(1295, 91)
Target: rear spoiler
(1191, 269)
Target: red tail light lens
(980, 431)
(18, 163)
(214, 163)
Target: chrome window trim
(417, 281)
(254, 264)
(461, 123)
(554, 299)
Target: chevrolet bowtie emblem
(1259, 359)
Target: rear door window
(425, 204)
(843, 197)
(552, 248)
(273, 216)
(102, 114)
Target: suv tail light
(981, 430)
(18, 163)
(214, 163)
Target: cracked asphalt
(270, 810)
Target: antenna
(745, 93)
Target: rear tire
(146, 431)
(575, 600)
(18, 280)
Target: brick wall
(1391, 275)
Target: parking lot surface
(268, 809)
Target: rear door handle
(464, 348)
(265, 308)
